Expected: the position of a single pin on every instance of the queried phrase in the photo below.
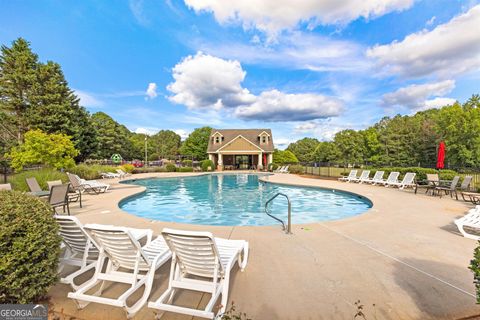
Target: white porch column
(210, 157)
(220, 159)
(270, 158)
(260, 156)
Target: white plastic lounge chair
(352, 175)
(80, 249)
(470, 220)
(279, 169)
(363, 176)
(392, 178)
(408, 181)
(5, 186)
(377, 177)
(122, 173)
(199, 254)
(119, 246)
(87, 185)
(109, 175)
(285, 169)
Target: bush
(187, 163)
(207, 163)
(127, 167)
(29, 247)
(475, 267)
(91, 172)
(296, 168)
(185, 169)
(19, 183)
(170, 167)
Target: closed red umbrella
(264, 159)
(441, 155)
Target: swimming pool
(237, 200)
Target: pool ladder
(287, 228)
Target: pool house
(241, 149)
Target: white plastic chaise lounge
(352, 175)
(80, 249)
(363, 176)
(199, 254)
(109, 175)
(470, 220)
(377, 177)
(138, 265)
(122, 174)
(392, 178)
(87, 185)
(279, 169)
(407, 182)
(285, 169)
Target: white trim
(261, 133)
(240, 136)
(221, 135)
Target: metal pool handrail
(268, 212)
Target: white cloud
(182, 133)
(88, 100)
(273, 16)
(205, 81)
(438, 103)
(275, 105)
(151, 91)
(431, 21)
(449, 49)
(210, 83)
(282, 143)
(136, 7)
(147, 131)
(295, 50)
(415, 96)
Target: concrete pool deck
(403, 259)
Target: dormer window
(263, 137)
(217, 138)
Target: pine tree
(18, 66)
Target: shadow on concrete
(435, 299)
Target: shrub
(185, 169)
(29, 247)
(53, 150)
(296, 168)
(170, 167)
(127, 167)
(91, 172)
(207, 163)
(19, 183)
(187, 163)
(475, 267)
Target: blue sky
(303, 68)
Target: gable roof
(250, 135)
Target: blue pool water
(237, 200)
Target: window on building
(264, 139)
(217, 139)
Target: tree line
(35, 96)
(408, 140)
